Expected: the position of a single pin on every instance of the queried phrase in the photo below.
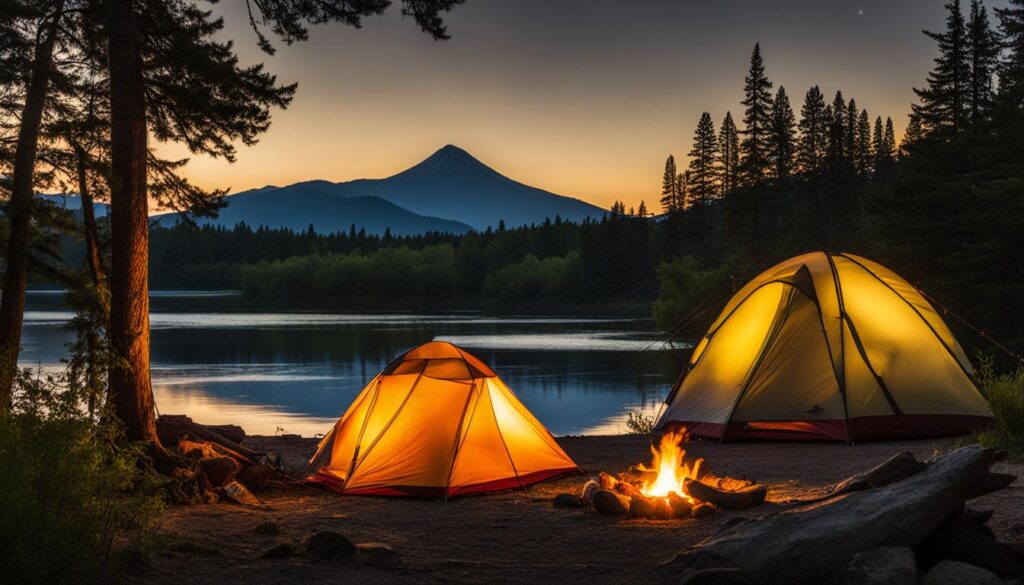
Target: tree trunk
(130, 388)
(93, 255)
(19, 210)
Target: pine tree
(641, 211)
(669, 187)
(783, 139)
(43, 20)
(944, 104)
(890, 140)
(863, 151)
(1011, 68)
(681, 189)
(703, 172)
(755, 146)
(984, 51)
(728, 152)
(878, 147)
(814, 132)
(912, 137)
(851, 127)
(836, 154)
(169, 77)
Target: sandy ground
(513, 537)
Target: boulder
(957, 573)
(256, 475)
(888, 565)
(328, 545)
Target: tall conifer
(984, 51)
(863, 152)
(945, 101)
(669, 186)
(814, 130)
(755, 146)
(728, 152)
(704, 174)
(782, 140)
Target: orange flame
(668, 462)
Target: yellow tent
(827, 345)
(436, 422)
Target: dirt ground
(514, 537)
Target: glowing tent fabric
(436, 422)
(827, 346)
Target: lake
(297, 372)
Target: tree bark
(19, 210)
(130, 387)
(93, 255)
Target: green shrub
(640, 424)
(69, 490)
(1005, 394)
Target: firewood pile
(623, 494)
(228, 469)
(902, 522)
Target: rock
(377, 554)
(279, 551)
(256, 475)
(237, 493)
(267, 528)
(882, 566)
(609, 502)
(328, 545)
(957, 573)
(219, 470)
(718, 576)
(568, 501)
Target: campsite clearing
(508, 537)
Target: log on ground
(811, 541)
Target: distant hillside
(452, 183)
(313, 203)
(74, 203)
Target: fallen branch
(896, 468)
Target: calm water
(298, 372)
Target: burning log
(681, 507)
(729, 500)
(642, 506)
(604, 500)
(703, 510)
(810, 541)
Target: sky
(584, 98)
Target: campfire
(671, 487)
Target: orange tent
(436, 422)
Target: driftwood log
(172, 428)
(811, 541)
(897, 468)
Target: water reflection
(299, 371)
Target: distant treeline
(553, 263)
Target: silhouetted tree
(43, 19)
(783, 140)
(863, 156)
(814, 133)
(755, 146)
(729, 154)
(944, 103)
(670, 194)
(984, 52)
